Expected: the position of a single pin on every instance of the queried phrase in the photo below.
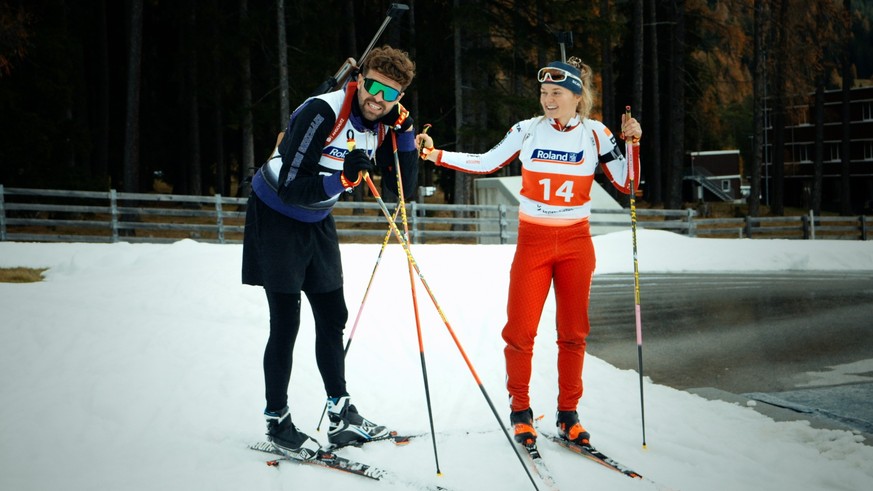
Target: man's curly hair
(391, 62)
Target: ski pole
(442, 315)
(396, 10)
(401, 204)
(361, 307)
(631, 148)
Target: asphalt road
(736, 332)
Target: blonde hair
(586, 103)
(391, 62)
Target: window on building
(867, 111)
(834, 152)
(868, 151)
(725, 185)
(801, 153)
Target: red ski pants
(545, 254)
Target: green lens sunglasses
(389, 94)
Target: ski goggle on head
(559, 76)
(373, 87)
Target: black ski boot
(287, 438)
(347, 427)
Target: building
(800, 152)
(713, 176)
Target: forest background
(100, 94)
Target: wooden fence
(44, 215)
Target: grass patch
(21, 275)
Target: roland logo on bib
(554, 156)
(336, 153)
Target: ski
(324, 459)
(539, 465)
(393, 436)
(330, 460)
(589, 452)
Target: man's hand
(398, 118)
(355, 163)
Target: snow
(138, 367)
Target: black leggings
(329, 310)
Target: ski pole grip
(630, 150)
(423, 130)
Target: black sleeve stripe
(614, 154)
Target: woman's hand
(630, 128)
(425, 144)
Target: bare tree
(845, 146)
(219, 177)
(100, 162)
(282, 46)
(758, 89)
(130, 169)
(653, 128)
(247, 160)
(195, 169)
(780, 101)
(637, 27)
(676, 146)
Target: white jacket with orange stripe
(557, 166)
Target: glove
(356, 162)
(398, 118)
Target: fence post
(748, 226)
(863, 226)
(219, 220)
(2, 215)
(804, 227)
(692, 227)
(812, 224)
(502, 225)
(413, 213)
(113, 206)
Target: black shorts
(288, 256)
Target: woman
(559, 152)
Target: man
(291, 246)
